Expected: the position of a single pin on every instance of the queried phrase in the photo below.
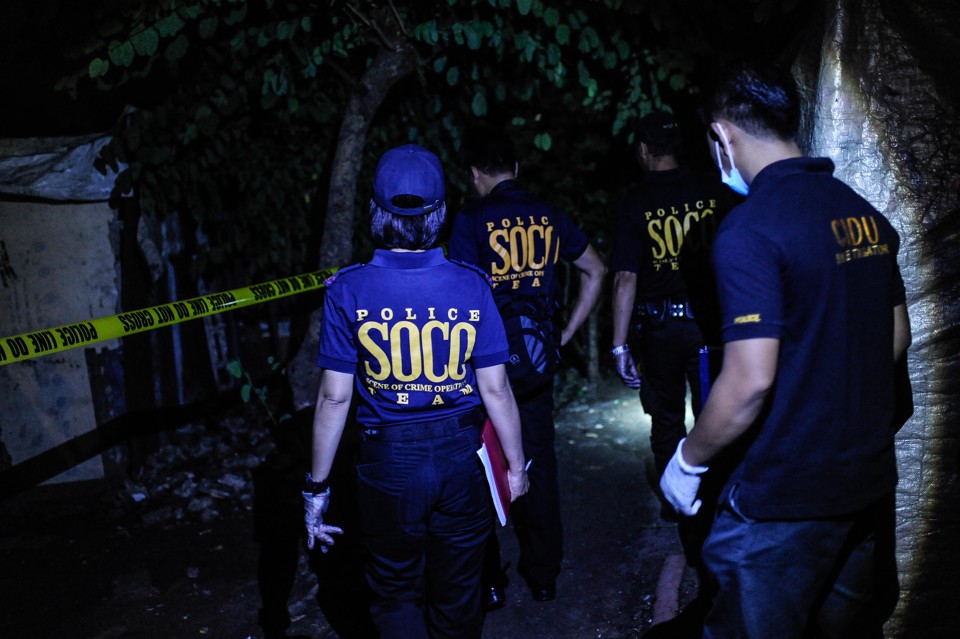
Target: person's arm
(624, 297)
(333, 406)
(501, 407)
(902, 336)
(736, 398)
(592, 271)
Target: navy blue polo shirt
(412, 327)
(517, 239)
(809, 262)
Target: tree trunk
(336, 247)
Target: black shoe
(668, 514)
(544, 592)
(494, 598)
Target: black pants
(669, 358)
(536, 515)
(425, 515)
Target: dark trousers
(833, 577)
(669, 361)
(536, 515)
(425, 511)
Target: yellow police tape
(26, 346)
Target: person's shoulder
(469, 268)
(342, 273)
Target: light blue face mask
(733, 179)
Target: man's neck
(662, 163)
(765, 151)
(486, 183)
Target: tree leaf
(191, 11)
(524, 6)
(234, 368)
(479, 104)
(145, 42)
(623, 49)
(610, 60)
(177, 49)
(473, 37)
(208, 27)
(551, 17)
(237, 15)
(98, 67)
(169, 25)
(121, 53)
(563, 34)
(245, 393)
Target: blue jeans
(831, 577)
(425, 513)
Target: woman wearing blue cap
(421, 340)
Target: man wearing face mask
(814, 320)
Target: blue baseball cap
(408, 181)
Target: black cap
(659, 129)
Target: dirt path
(75, 565)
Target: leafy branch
(249, 389)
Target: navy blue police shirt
(517, 239)
(669, 218)
(411, 327)
(807, 261)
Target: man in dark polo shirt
(814, 319)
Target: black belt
(661, 309)
(424, 430)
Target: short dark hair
(760, 99)
(409, 232)
(489, 149)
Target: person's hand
(519, 483)
(680, 483)
(627, 370)
(314, 508)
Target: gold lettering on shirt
(671, 229)
(405, 352)
(747, 319)
(858, 238)
(522, 244)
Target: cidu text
(859, 237)
(693, 226)
(524, 243)
(410, 345)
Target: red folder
(495, 466)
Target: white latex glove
(315, 506)
(680, 483)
